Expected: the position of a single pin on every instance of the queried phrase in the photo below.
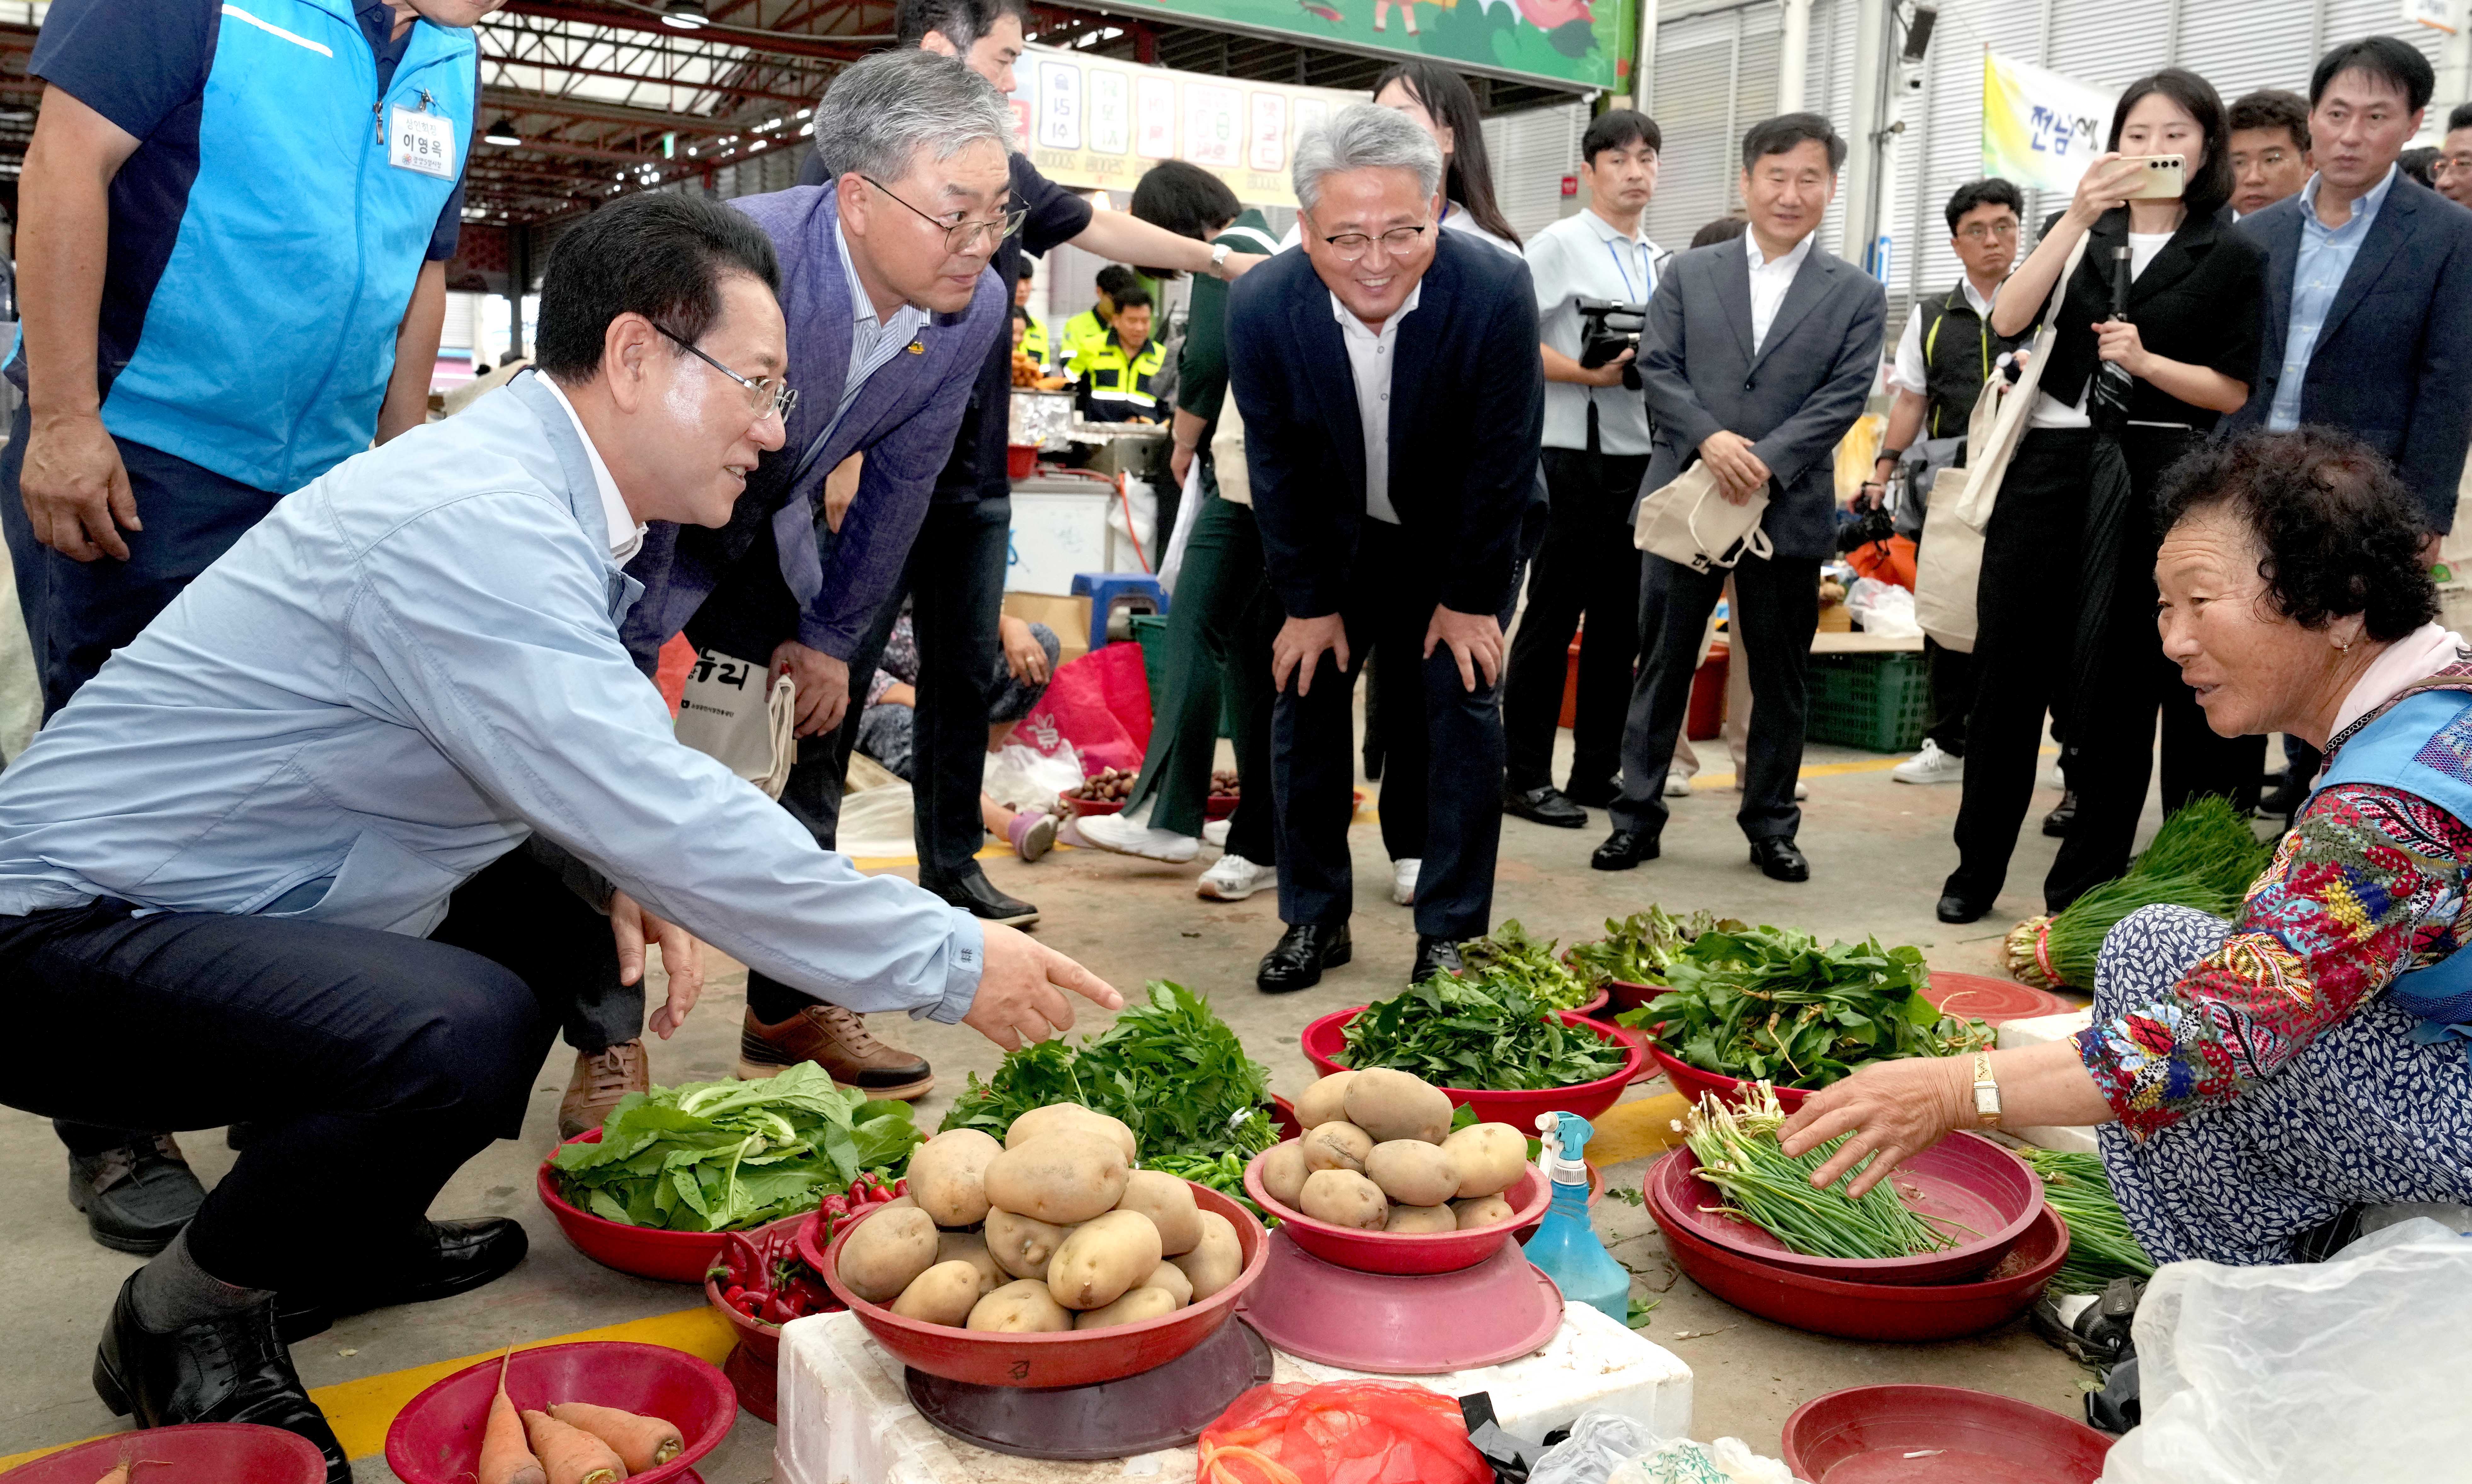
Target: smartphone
(2167, 177)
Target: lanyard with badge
(421, 141)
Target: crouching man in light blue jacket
(312, 853)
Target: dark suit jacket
(2393, 366)
(2192, 304)
(1794, 399)
(1467, 413)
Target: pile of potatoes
(1379, 1155)
(1053, 1229)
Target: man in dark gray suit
(1759, 354)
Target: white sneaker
(1677, 787)
(1114, 832)
(1215, 832)
(1403, 880)
(1233, 878)
(1930, 765)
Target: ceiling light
(684, 15)
(503, 133)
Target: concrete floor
(1878, 850)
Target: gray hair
(880, 112)
(1363, 136)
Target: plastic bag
(1342, 1433)
(1681, 1461)
(2350, 1369)
(1101, 703)
(1188, 513)
(1023, 777)
(1883, 608)
(1599, 1441)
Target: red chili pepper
(733, 1294)
(776, 1309)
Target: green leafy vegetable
(1509, 954)
(1636, 950)
(728, 1156)
(1739, 1154)
(1636, 1315)
(1485, 1035)
(2101, 1245)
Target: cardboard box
(1069, 617)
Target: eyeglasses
(1351, 246)
(764, 394)
(961, 238)
(1979, 232)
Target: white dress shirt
(1584, 256)
(1370, 357)
(625, 534)
(1769, 279)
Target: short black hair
(1184, 198)
(1116, 280)
(656, 254)
(1989, 191)
(1134, 297)
(2420, 164)
(1619, 129)
(2210, 186)
(1021, 313)
(2460, 118)
(1777, 136)
(2272, 107)
(2390, 59)
(1724, 228)
(962, 23)
(1025, 270)
(2340, 533)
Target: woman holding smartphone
(2190, 342)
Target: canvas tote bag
(1688, 522)
(729, 713)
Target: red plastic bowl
(1326, 1038)
(1965, 1178)
(435, 1439)
(672, 1256)
(203, 1452)
(1404, 1252)
(1938, 1435)
(1692, 1082)
(761, 1340)
(1976, 997)
(1628, 996)
(1073, 1357)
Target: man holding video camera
(1594, 273)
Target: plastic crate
(1149, 631)
(1881, 702)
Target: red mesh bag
(1342, 1433)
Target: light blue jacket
(399, 676)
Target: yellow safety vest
(1033, 342)
(1117, 386)
(1081, 331)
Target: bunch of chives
(2101, 1245)
(1738, 1154)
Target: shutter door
(2240, 46)
(1942, 146)
(1695, 84)
(1532, 152)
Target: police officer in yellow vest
(1032, 341)
(1088, 329)
(1117, 375)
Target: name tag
(421, 142)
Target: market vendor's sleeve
(2361, 890)
(482, 625)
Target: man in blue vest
(233, 273)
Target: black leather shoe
(1302, 952)
(446, 1258)
(1545, 805)
(2057, 823)
(1624, 849)
(226, 1370)
(1778, 861)
(1954, 908)
(977, 896)
(1593, 795)
(135, 1197)
(1435, 955)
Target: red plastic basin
(1964, 1178)
(672, 1256)
(1692, 1083)
(1325, 1040)
(435, 1439)
(1073, 1357)
(1404, 1252)
(1977, 997)
(191, 1454)
(1628, 996)
(1938, 1435)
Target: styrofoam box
(846, 1418)
(2042, 1030)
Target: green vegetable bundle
(1479, 1034)
(1771, 1004)
(1508, 954)
(1637, 949)
(2101, 1245)
(2204, 857)
(1739, 1154)
(728, 1156)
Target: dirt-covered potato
(887, 1251)
(943, 1294)
(1103, 1259)
(1022, 1246)
(1337, 1146)
(1284, 1170)
(1167, 1275)
(1069, 1117)
(1342, 1197)
(1488, 1157)
(971, 1247)
(1483, 1210)
(1421, 1219)
(1391, 1104)
(946, 1176)
(1135, 1305)
(1323, 1101)
(1168, 1204)
(1216, 1259)
(1412, 1172)
(1058, 1178)
(1023, 1307)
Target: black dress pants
(1952, 694)
(372, 1065)
(1586, 566)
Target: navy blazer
(1467, 414)
(2393, 366)
(1794, 399)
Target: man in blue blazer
(1759, 354)
(1393, 405)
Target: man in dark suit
(1394, 405)
(1758, 356)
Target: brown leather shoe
(837, 1040)
(599, 1082)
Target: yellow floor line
(360, 1411)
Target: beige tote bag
(729, 713)
(1688, 522)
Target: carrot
(118, 1476)
(643, 1441)
(571, 1456)
(505, 1458)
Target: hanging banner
(1568, 43)
(2040, 130)
(1088, 122)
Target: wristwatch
(1986, 1092)
(1217, 258)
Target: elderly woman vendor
(2259, 1081)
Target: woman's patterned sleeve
(2363, 888)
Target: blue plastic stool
(1107, 589)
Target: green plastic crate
(1881, 702)
(1149, 631)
